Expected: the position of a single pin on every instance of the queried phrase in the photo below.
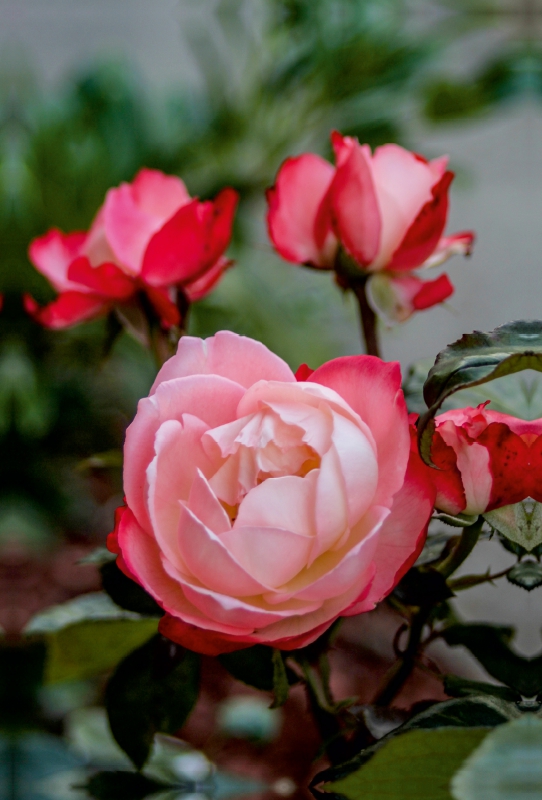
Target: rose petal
(228, 355)
(70, 308)
(53, 253)
(294, 202)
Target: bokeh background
(220, 92)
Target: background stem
(368, 319)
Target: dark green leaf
(418, 764)
(254, 666)
(152, 691)
(281, 687)
(489, 645)
(421, 586)
(476, 359)
(127, 593)
(461, 687)
(527, 574)
(468, 712)
(120, 785)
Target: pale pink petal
(403, 185)
(96, 248)
(330, 505)
(204, 504)
(52, 255)
(294, 204)
(128, 228)
(227, 354)
(316, 423)
(210, 398)
(209, 560)
(170, 475)
(357, 461)
(286, 502)
(159, 195)
(336, 572)
(224, 609)
(372, 388)
(270, 555)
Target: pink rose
(486, 460)
(260, 507)
(387, 211)
(149, 236)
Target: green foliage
(489, 645)
(461, 687)
(526, 574)
(520, 523)
(152, 690)
(419, 764)
(121, 785)
(255, 666)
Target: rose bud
(149, 236)
(381, 215)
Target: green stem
(368, 318)
(462, 549)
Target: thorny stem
(368, 318)
(401, 670)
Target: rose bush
(261, 507)
(386, 211)
(148, 236)
(485, 460)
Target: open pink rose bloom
(485, 460)
(386, 210)
(149, 236)
(260, 508)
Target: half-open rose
(149, 237)
(260, 507)
(386, 211)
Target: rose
(385, 211)
(260, 507)
(485, 460)
(149, 236)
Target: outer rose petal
(402, 535)
(423, 236)
(157, 194)
(191, 242)
(227, 354)
(372, 388)
(53, 253)
(68, 309)
(357, 219)
(456, 244)
(294, 203)
(106, 280)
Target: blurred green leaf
(418, 764)
(121, 785)
(254, 666)
(507, 765)
(461, 687)
(520, 523)
(281, 686)
(152, 690)
(489, 645)
(527, 574)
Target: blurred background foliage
(276, 77)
